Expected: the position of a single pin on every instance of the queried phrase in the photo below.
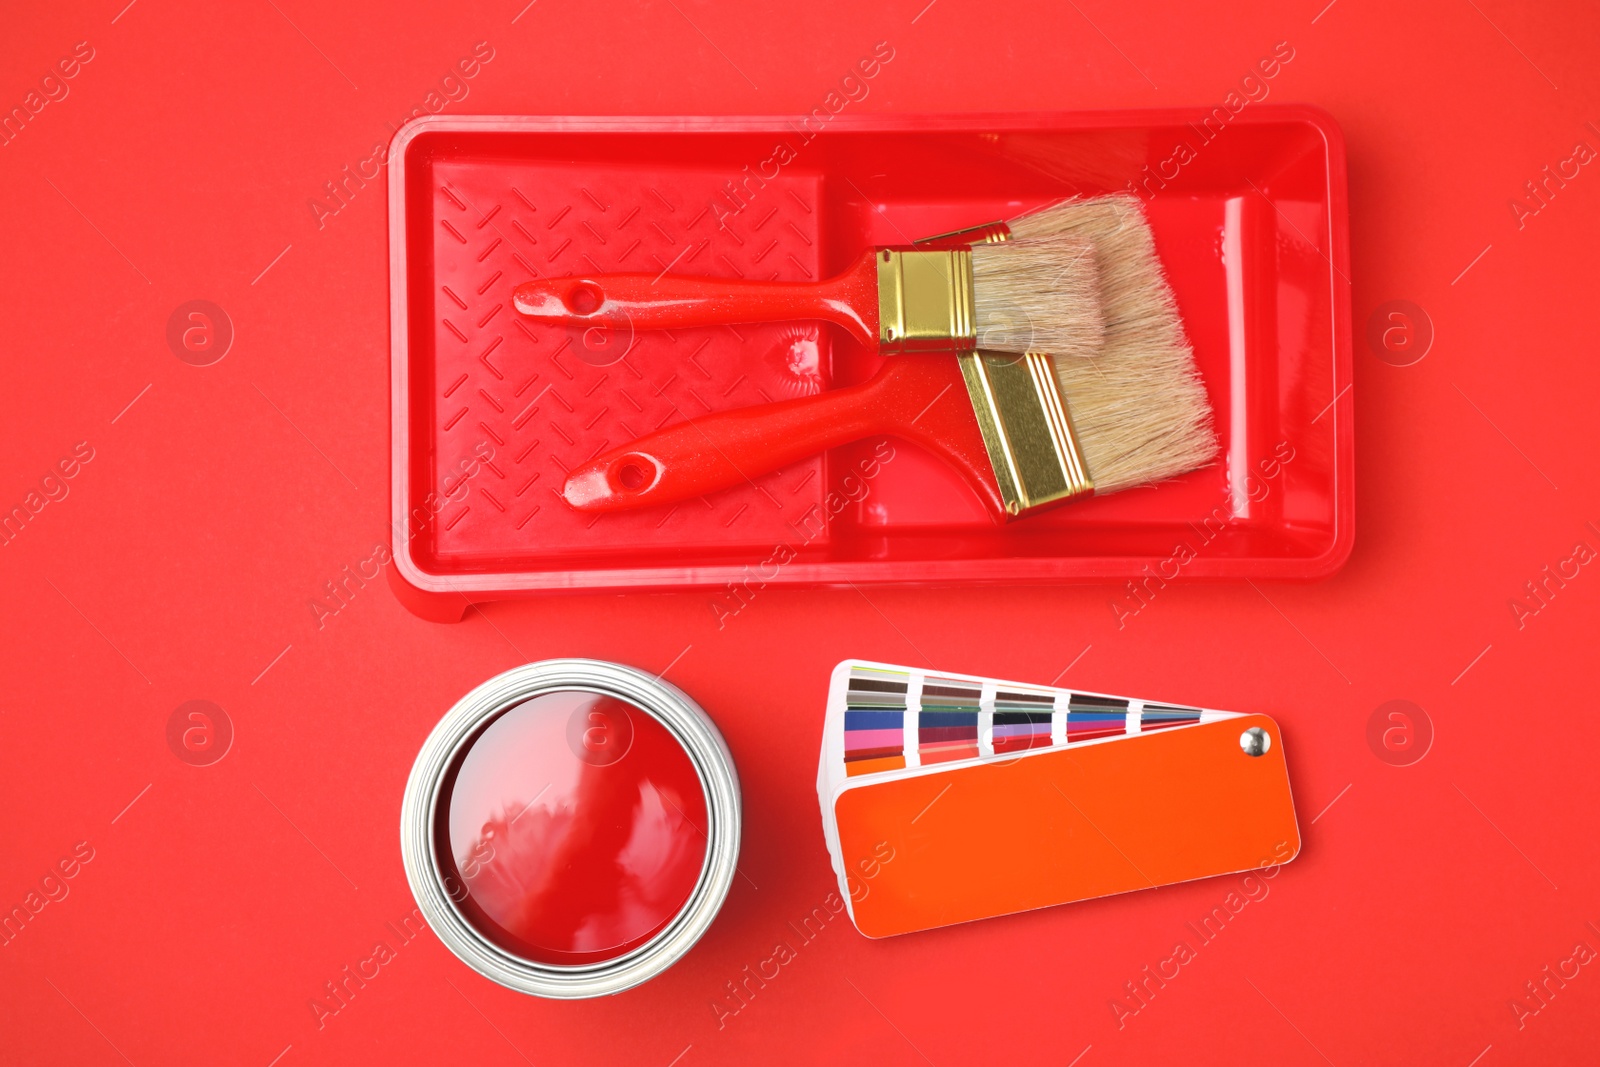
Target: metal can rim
(707, 752)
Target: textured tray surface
(546, 397)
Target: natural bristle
(1038, 296)
(1138, 407)
(1077, 217)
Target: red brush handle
(668, 301)
(918, 397)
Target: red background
(184, 557)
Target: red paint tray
(490, 411)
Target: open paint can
(570, 828)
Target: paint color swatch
(1163, 716)
(970, 797)
(1022, 719)
(874, 720)
(1090, 717)
(952, 718)
(947, 725)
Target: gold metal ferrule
(988, 233)
(1026, 428)
(925, 301)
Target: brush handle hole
(635, 472)
(584, 298)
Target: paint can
(571, 827)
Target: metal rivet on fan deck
(1255, 741)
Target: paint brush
(1023, 432)
(1146, 409)
(1013, 296)
(1095, 217)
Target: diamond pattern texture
(545, 398)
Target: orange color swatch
(1070, 823)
